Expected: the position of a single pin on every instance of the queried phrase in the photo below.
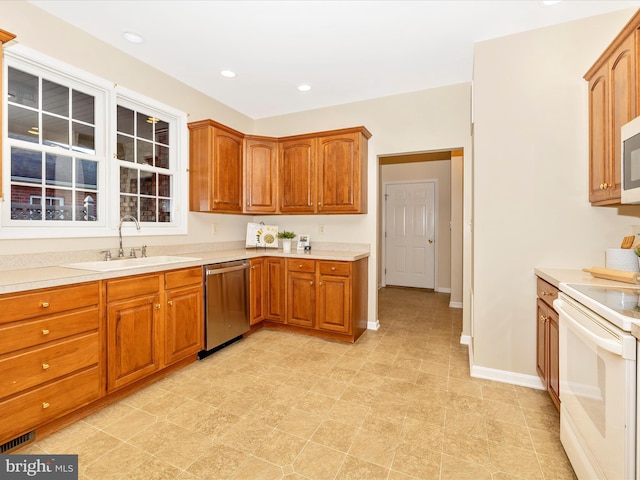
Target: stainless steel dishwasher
(226, 303)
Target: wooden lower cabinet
(67, 351)
(301, 299)
(323, 298)
(257, 290)
(183, 330)
(547, 340)
(334, 301)
(51, 346)
(275, 289)
(153, 321)
(133, 318)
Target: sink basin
(127, 263)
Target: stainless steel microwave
(630, 135)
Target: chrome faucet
(125, 217)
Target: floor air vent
(17, 442)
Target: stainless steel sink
(128, 263)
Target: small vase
(286, 245)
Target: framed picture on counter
(303, 241)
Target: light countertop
(556, 276)
(18, 280)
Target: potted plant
(286, 240)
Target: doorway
(410, 233)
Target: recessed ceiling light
(228, 73)
(132, 37)
(550, 2)
(304, 87)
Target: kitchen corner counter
(20, 280)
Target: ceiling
(345, 50)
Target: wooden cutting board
(611, 274)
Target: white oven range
(598, 378)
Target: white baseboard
(455, 304)
(375, 325)
(531, 381)
(442, 290)
(504, 376)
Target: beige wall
(531, 206)
(437, 119)
(434, 170)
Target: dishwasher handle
(218, 271)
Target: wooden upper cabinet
(324, 172)
(342, 172)
(599, 159)
(613, 84)
(298, 175)
(215, 168)
(4, 38)
(261, 175)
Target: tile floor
(398, 404)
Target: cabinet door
(261, 175)
(275, 289)
(334, 303)
(553, 342)
(598, 135)
(132, 349)
(340, 174)
(227, 171)
(622, 104)
(215, 168)
(297, 176)
(541, 341)
(301, 299)
(184, 327)
(256, 286)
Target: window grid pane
(45, 186)
(146, 181)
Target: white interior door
(410, 234)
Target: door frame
(436, 215)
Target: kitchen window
(82, 152)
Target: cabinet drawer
(184, 277)
(45, 302)
(130, 287)
(33, 333)
(547, 292)
(301, 265)
(29, 369)
(342, 269)
(39, 406)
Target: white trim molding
(531, 381)
(373, 325)
(503, 376)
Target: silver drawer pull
(45, 331)
(44, 304)
(45, 366)
(45, 405)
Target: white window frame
(108, 96)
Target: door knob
(430, 241)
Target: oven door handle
(612, 346)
